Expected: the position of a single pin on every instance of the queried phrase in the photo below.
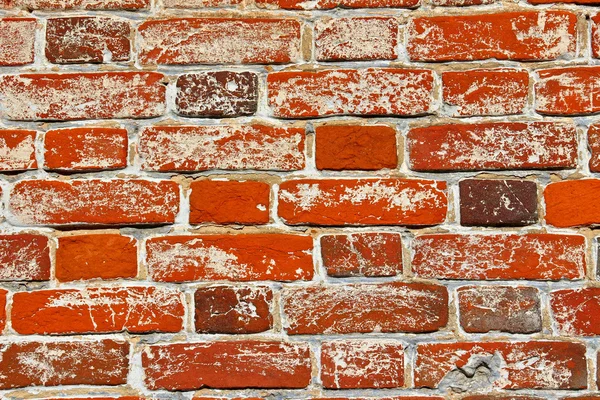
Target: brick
(386, 307)
(227, 365)
(200, 3)
(371, 91)
(356, 39)
(24, 257)
(362, 364)
(87, 40)
(74, 96)
(98, 310)
(237, 40)
(493, 202)
(229, 202)
(567, 91)
(525, 36)
(501, 365)
(17, 150)
(499, 256)
(382, 398)
(331, 4)
(217, 94)
(340, 202)
(76, 4)
(576, 312)
(461, 3)
(501, 397)
(593, 137)
(94, 201)
(229, 309)
(3, 294)
(17, 41)
(228, 147)
(595, 44)
(572, 203)
(85, 149)
(252, 257)
(360, 147)
(499, 308)
(492, 146)
(362, 254)
(101, 256)
(498, 91)
(584, 2)
(54, 363)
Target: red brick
(500, 256)
(584, 2)
(492, 146)
(362, 364)
(386, 307)
(103, 256)
(3, 294)
(74, 96)
(526, 36)
(372, 91)
(76, 4)
(228, 147)
(595, 44)
(568, 91)
(98, 310)
(486, 91)
(217, 94)
(381, 398)
(501, 397)
(576, 311)
(87, 40)
(386, 201)
(103, 362)
(94, 201)
(369, 147)
(199, 3)
(253, 257)
(17, 40)
(360, 39)
(330, 4)
(510, 365)
(593, 136)
(238, 40)
(233, 309)
(499, 308)
(24, 257)
(362, 254)
(227, 365)
(85, 149)
(17, 150)
(461, 3)
(573, 203)
(229, 202)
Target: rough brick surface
(85, 149)
(238, 365)
(362, 364)
(102, 256)
(230, 257)
(76, 4)
(330, 4)
(576, 311)
(518, 365)
(567, 91)
(53, 363)
(17, 41)
(373, 91)
(362, 254)
(200, 148)
(24, 257)
(340, 147)
(500, 256)
(492, 146)
(17, 150)
(388, 307)
(362, 202)
(572, 203)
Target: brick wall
(299, 199)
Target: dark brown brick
(217, 94)
(87, 40)
(362, 254)
(499, 308)
(497, 202)
(229, 309)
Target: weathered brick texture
(299, 199)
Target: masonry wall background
(288, 199)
